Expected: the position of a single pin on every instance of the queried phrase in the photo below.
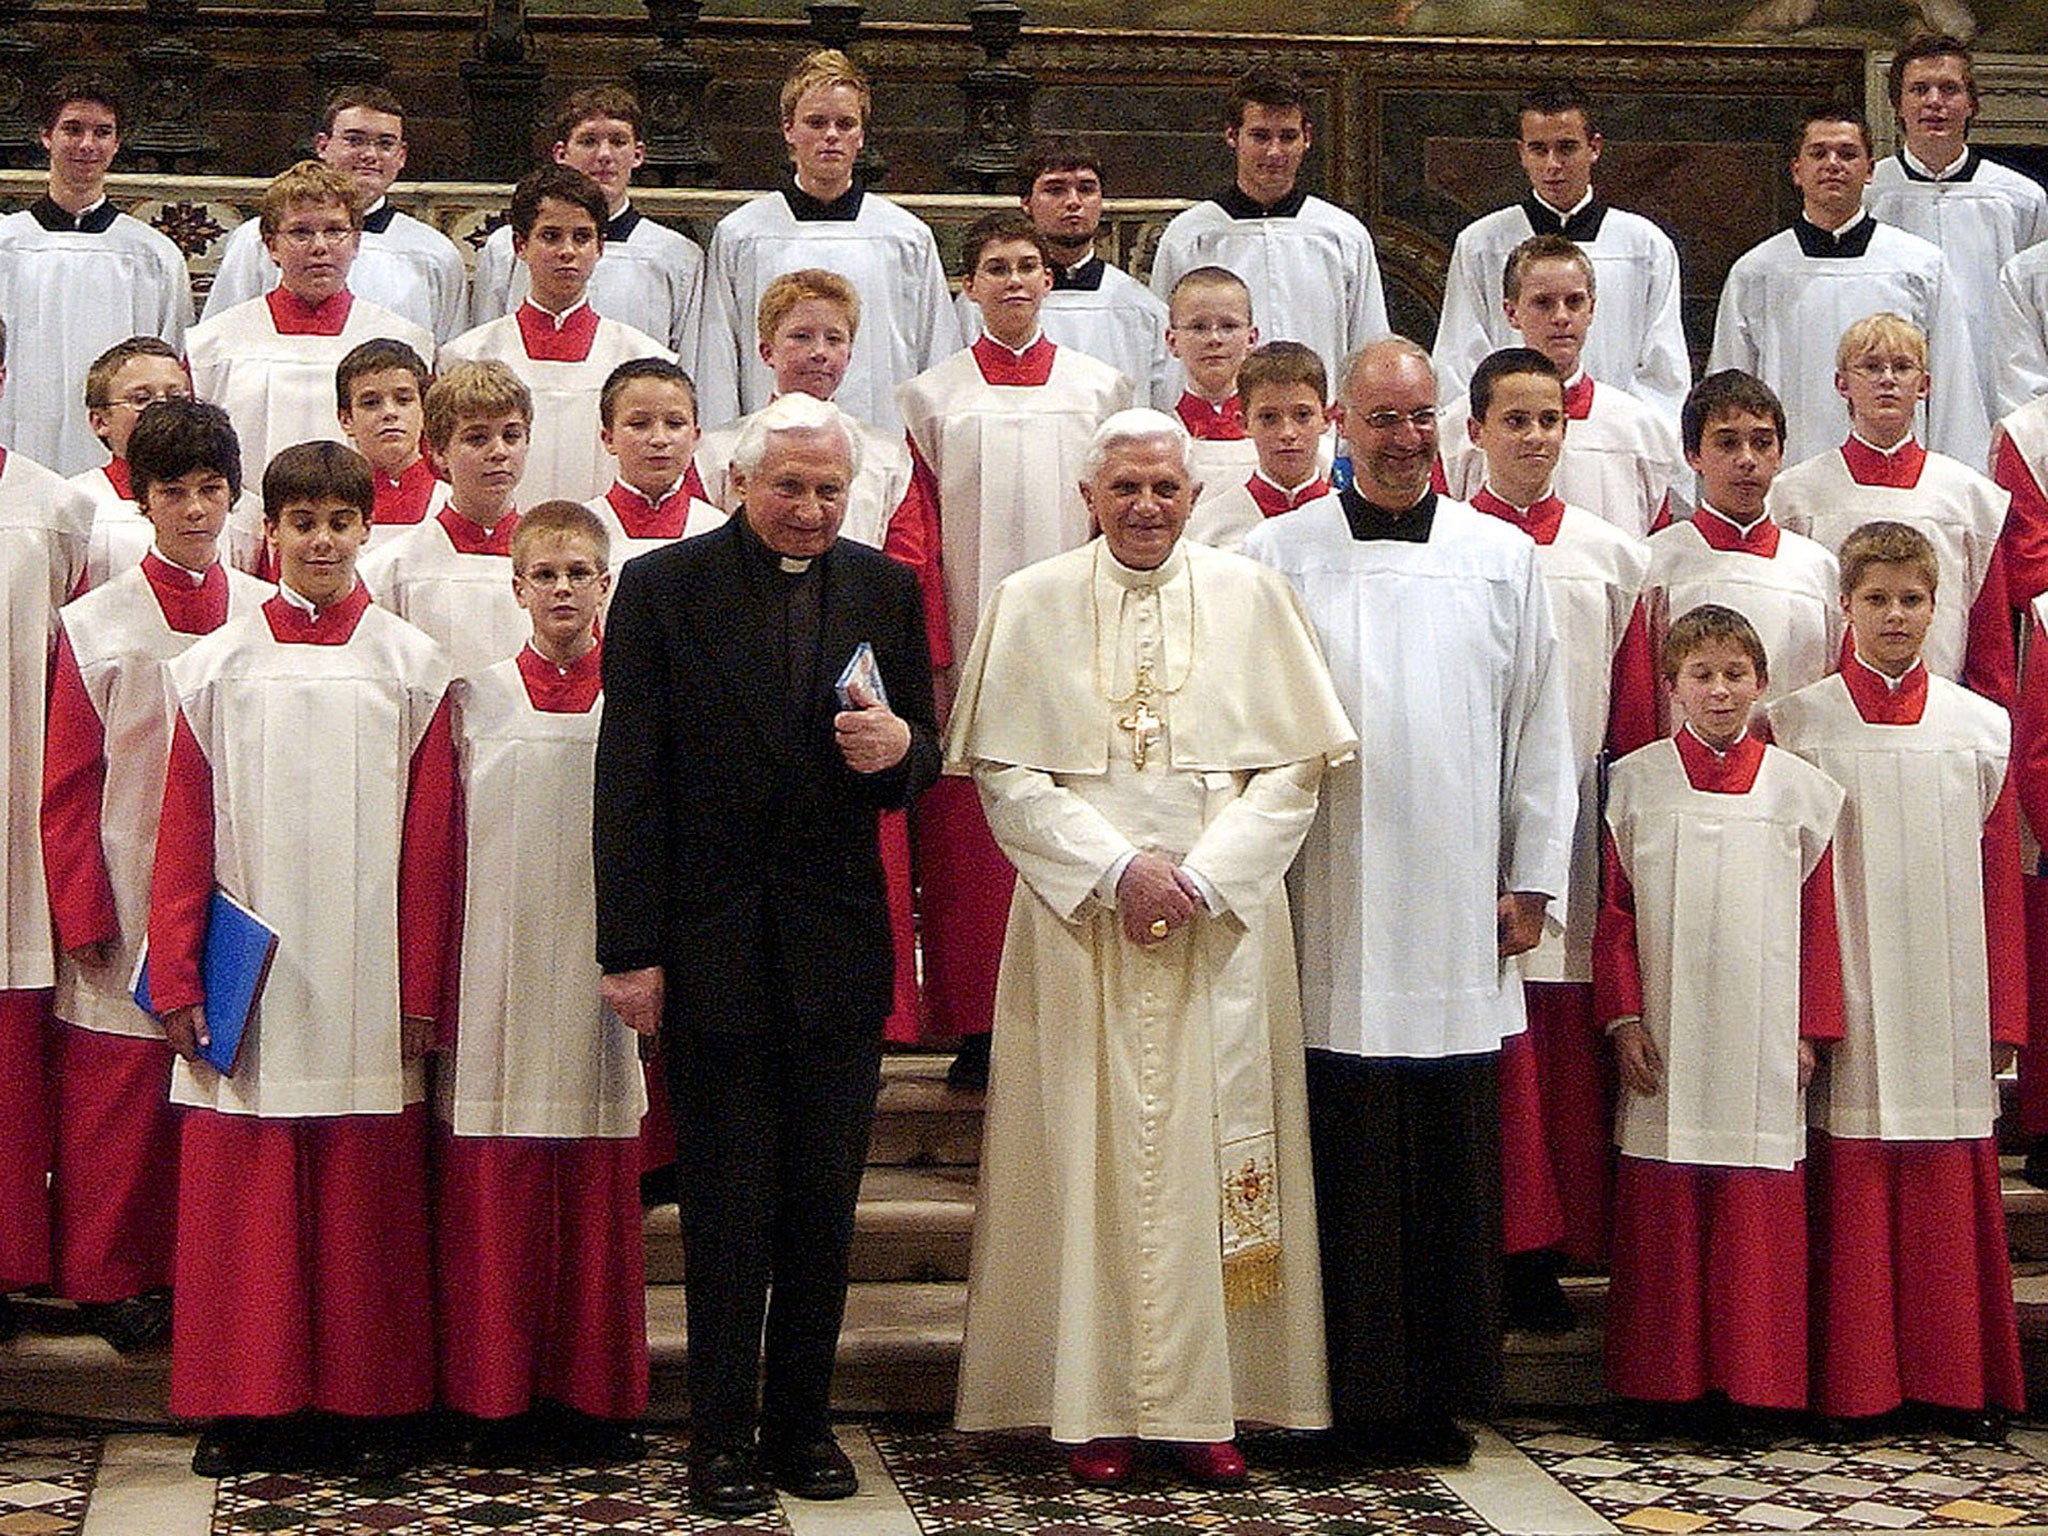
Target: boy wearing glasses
(269, 362)
(1882, 471)
(450, 574)
(79, 277)
(123, 382)
(1731, 551)
(1210, 333)
(541, 1296)
(409, 267)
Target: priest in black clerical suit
(740, 904)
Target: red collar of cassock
(405, 499)
(1721, 534)
(1898, 470)
(474, 538)
(1211, 423)
(293, 316)
(1720, 773)
(1273, 500)
(333, 625)
(556, 690)
(1540, 521)
(1578, 397)
(189, 607)
(547, 341)
(999, 365)
(1880, 704)
(644, 518)
(117, 476)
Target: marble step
(919, 1120)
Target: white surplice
(1619, 462)
(652, 280)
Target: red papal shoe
(1217, 1464)
(1102, 1463)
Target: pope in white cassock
(1148, 722)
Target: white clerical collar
(1130, 577)
(1585, 201)
(1920, 167)
(1290, 490)
(558, 321)
(1016, 352)
(375, 208)
(1892, 684)
(560, 670)
(1892, 452)
(1506, 500)
(298, 599)
(1718, 752)
(1572, 383)
(652, 501)
(197, 578)
(1741, 528)
(1836, 234)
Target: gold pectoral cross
(1143, 725)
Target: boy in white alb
(540, 1275)
(1718, 970)
(1283, 398)
(114, 1170)
(43, 529)
(823, 220)
(1787, 301)
(1639, 344)
(311, 777)
(1621, 457)
(451, 575)
(76, 276)
(1310, 266)
(402, 264)
(999, 431)
(648, 408)
(1093, 307)
(269, 362)
(807, 324)
(1730, 552)
(1979, 212)
(1210, 333)
(1555, 1108)
(1882, 472)
(1914, 1283)
(122, 382)
(555, 341)
(649, 276)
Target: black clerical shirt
(1369, 520)
(792, 613)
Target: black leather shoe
(225, 1449)
(969, 1071)
(812, 1469)
(728, 1483)
(134, 1323)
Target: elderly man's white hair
(1136, 425)
(794, 412)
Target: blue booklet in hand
(233, 965)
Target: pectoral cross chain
(1144, 727)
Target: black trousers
(1407, 1171)
(772, 1136)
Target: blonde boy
(649, 276)
(1914, 1282)
(555, 341)
(269, 362)
(114, 1172)
(1882, 472)
(1731, 552)
(999, 430)
(449, 576)
(1717, 969)
(1283, 400)
(122, 382)
(1210, 333)
(538, 1100)
(648, 408)
(823, 219)
(311, 777)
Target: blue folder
(233, 964)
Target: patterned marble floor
(1534, 1476)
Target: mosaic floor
(1557, 1476)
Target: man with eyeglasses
(75, 277)
(407, 266)
(1424, 873)
(1881, 470)
(270, 361)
